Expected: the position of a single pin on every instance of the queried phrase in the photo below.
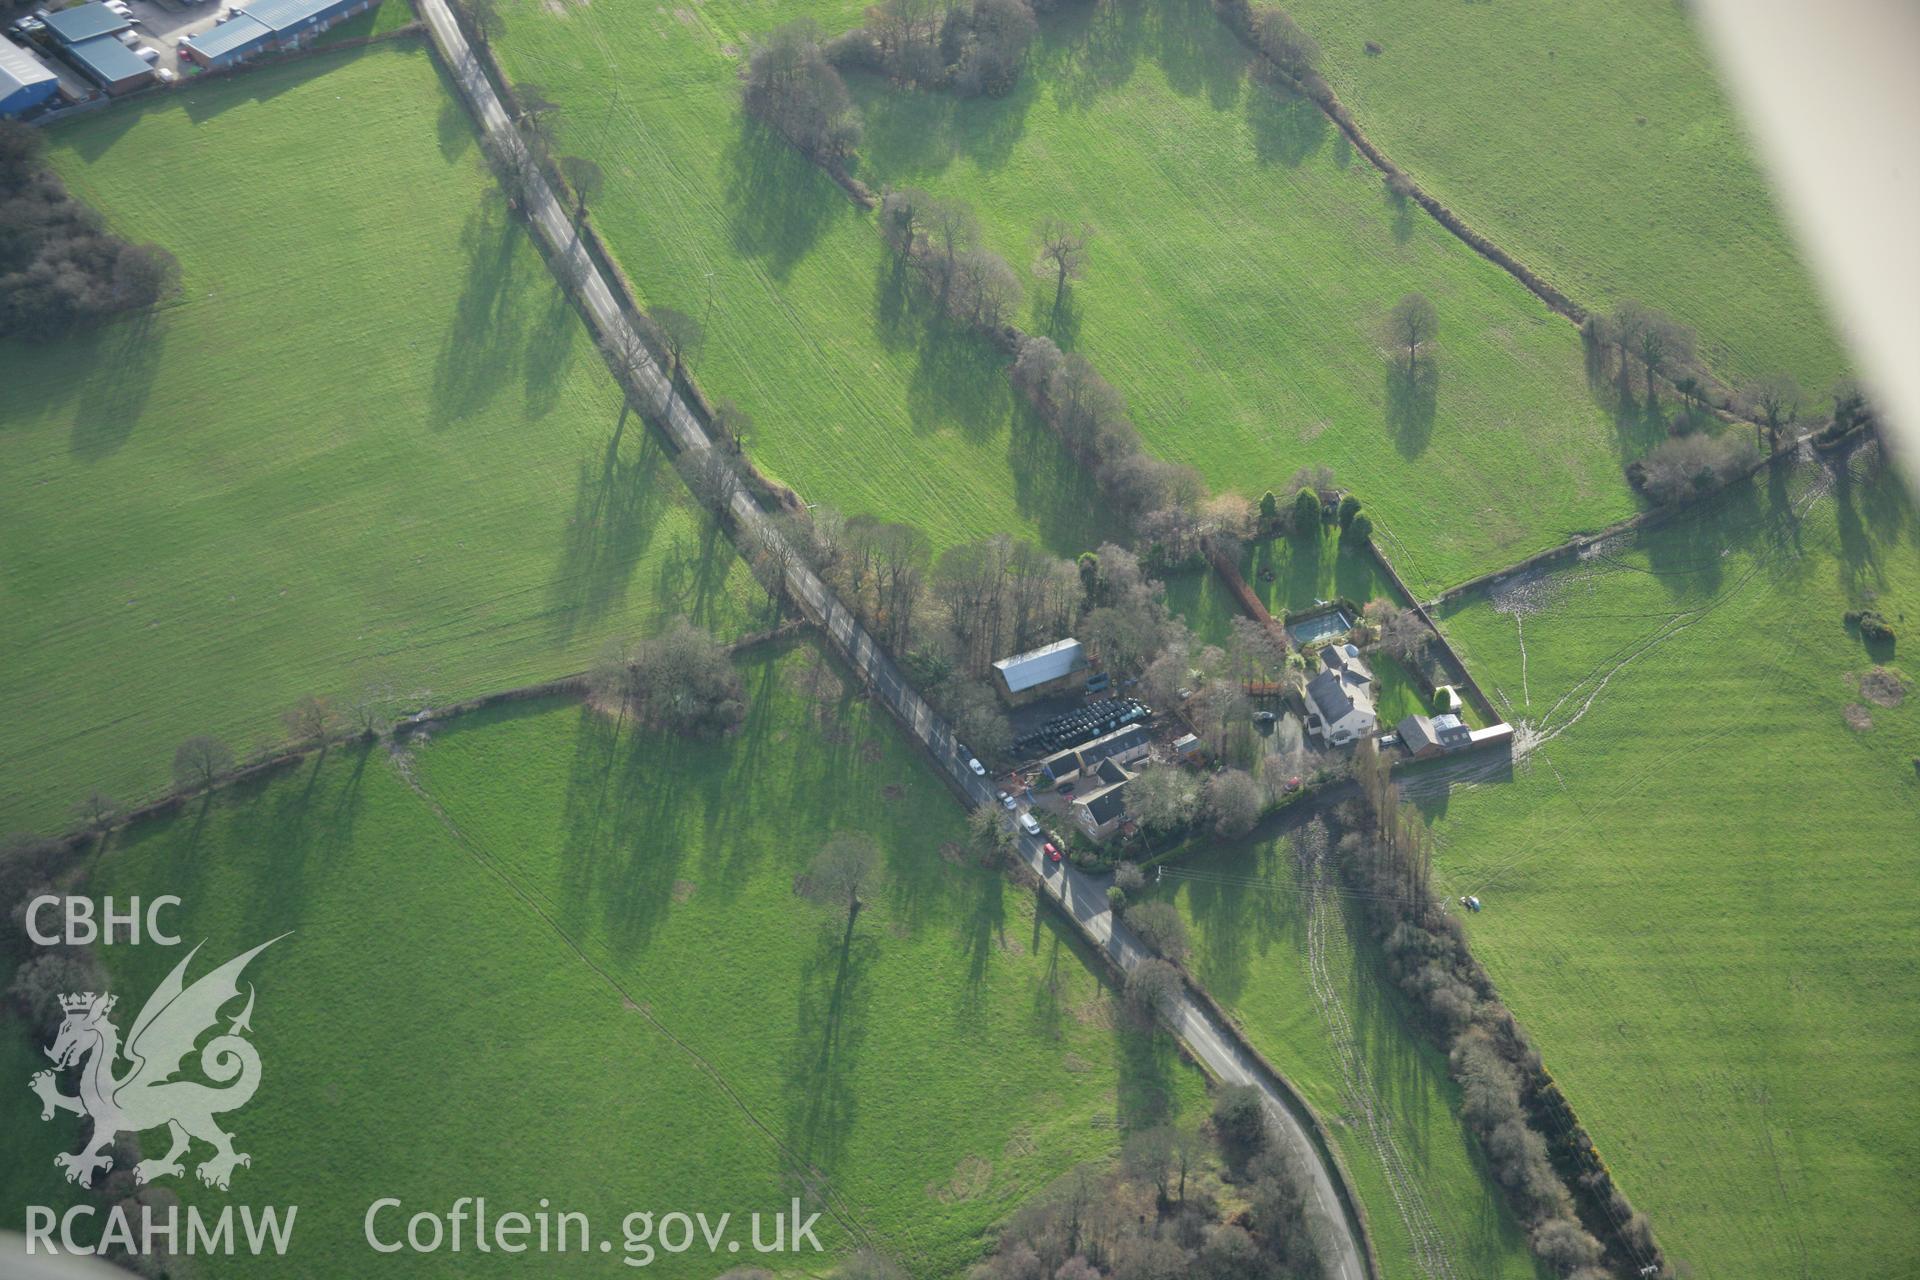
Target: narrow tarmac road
(1082, 897)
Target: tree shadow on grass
(549, 354)
(1147, 1061)
(453, 128)
(618, 500)
(1413, 396)
(1401, 206)
(1060, 322)
(483, 348)
(1052, 489)
(1197, 54)
(959, 381)
(778, 202)
(1088, 51)
(913, 132)
(834, 995)
(981, 937)
(123, 361)
(1288, 127)
(692, 575)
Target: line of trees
(1538, 1152)
(59, 266)
(971, 48)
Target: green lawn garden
(1699, 887)
(390, 462)
(1594, 143)
(576, 967)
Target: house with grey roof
(1340, 706)
(1100, 812)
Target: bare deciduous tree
(482, 18)
(1233, 801)
(1412, 324)
(792, 87)
(96, 810)
(1154, 988)
(586, 179)
(680, 336)
(1063, 254)
(1775, 401)
(199, 761)
(843, 869)
(308, 720)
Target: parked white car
(1028, 825)
(148, 54)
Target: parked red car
(1053, 851)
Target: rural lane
(1082, 897)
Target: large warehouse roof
(20, 70)
(85, 22)
(236, 32)
(107, 60)
(283, 15)
(1025, 670)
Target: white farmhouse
(1340, 697)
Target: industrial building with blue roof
(111, 64)
(25, 81)
(264, 25)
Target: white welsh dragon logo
(147, 1095)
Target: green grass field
(596, 983)
(1699, 886)
(1594, 143)
(382, 18)
(1249, 926)
(1242, 269)
(858, 401)
(371, 444)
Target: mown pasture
(1698, 883)
(371, 444)
(859, 399)
(582, 945)
(1244, 262)
(1249, 911)
(1595, 144)
(1243, 270)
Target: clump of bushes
(1873, 627)
(1160, 1211)
(1682, 466)
(793, 88)
(59, 266)
(682, 680)
(971, 48)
